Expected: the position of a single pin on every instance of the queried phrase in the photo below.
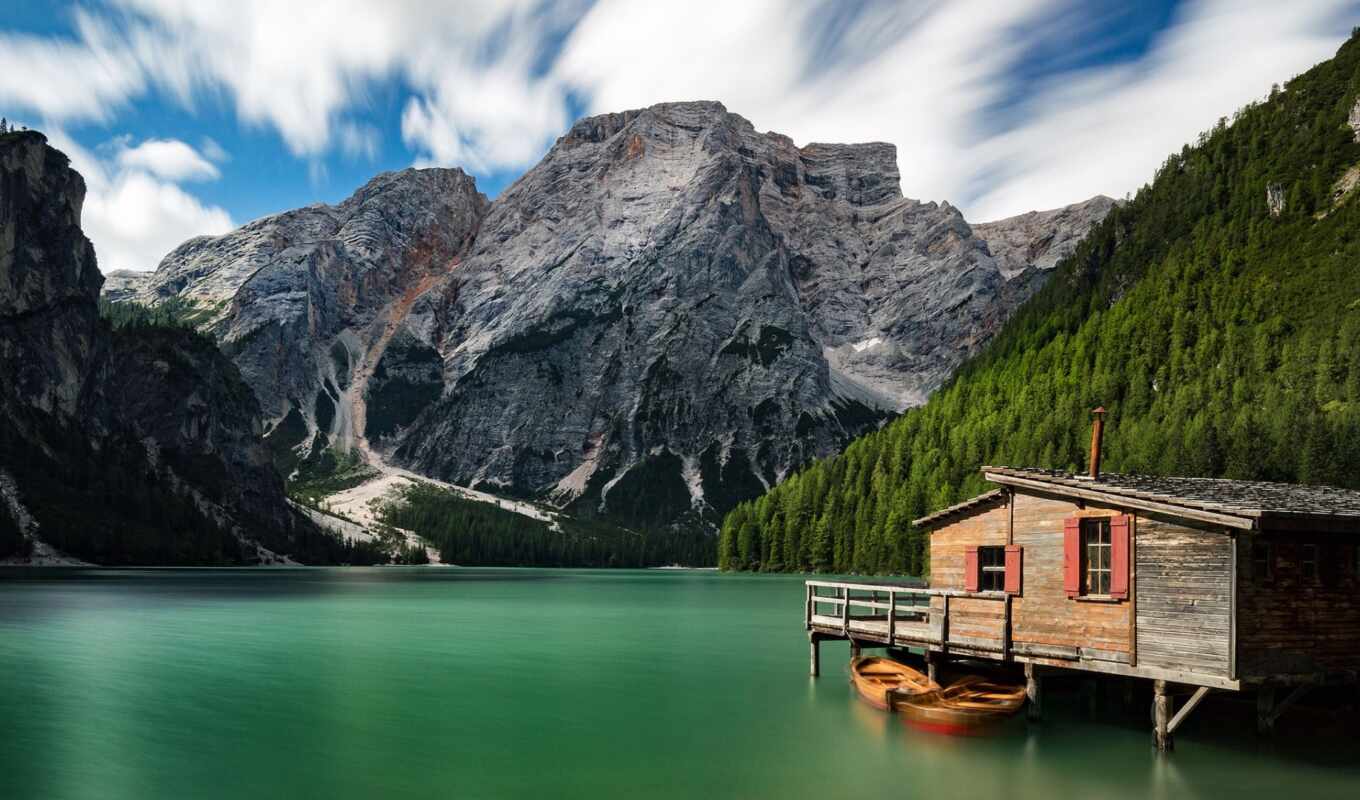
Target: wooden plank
(1187, 708)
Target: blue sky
(191, 118)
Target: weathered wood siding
(1291, 625)
(1184, 601)
(1043, 614)
(967, 618)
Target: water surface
(469, 683)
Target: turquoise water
(468, 683)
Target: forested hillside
(474, 534)
(1216, 315)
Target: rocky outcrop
(1040, 239)
(303, 301)
(132, 445)
(661, 318)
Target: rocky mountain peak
(662, 317)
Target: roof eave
(1240, 522)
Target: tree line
(472, 533)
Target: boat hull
(881, 681)
(970, 706)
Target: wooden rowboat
(875, 678)
(969, 705)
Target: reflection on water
(428, 682)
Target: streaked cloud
(488, 84)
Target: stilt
(1161, 709)
(931, 661)
(854, 648)
(1265, 708)
(1033, 697)
(815, 644)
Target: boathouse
(1205, 583)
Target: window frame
(1099, 528)
(987, 572)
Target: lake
(469, 683)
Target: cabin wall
(1043, 613)
(968, 618)
(1184, 596)
(1289, 625)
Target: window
(1308, 562)
(1260, 561)
(992, 569)
(1095, 549)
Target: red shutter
(1013, 552)
(1119, 557)
(970, 569)
(1072, 556)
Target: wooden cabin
(1203, 581)
(1206, 583)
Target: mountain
(131, 444)
(1216, 316)
(662, 318)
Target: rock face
(1040, 239)
(306, 301)
(136, 445)
(660, 319)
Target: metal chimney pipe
(1097, 431)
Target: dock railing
(904, 615)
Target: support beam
(1033, 694)
(1161, 712)
(1288, 701)
(932, 662)
(854, 648)
(1265, 703)
(815, 644)
(1187, 708)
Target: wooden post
(1006, 630)
(944, 627)
(1265, 705)
(1161, 707)
(845, 611)
(807, 609)
(854, 648)
(892, 620)
(815, 643)
(1033, 696)
(931, 666)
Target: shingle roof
(986, 498)
(1257, 505)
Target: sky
(191, 118)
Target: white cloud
(213, 151)
(925, 82)
(82, 79)
(133, 214)
(490, 89)
(170, 159)
(358, 140)
(1107, 130)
